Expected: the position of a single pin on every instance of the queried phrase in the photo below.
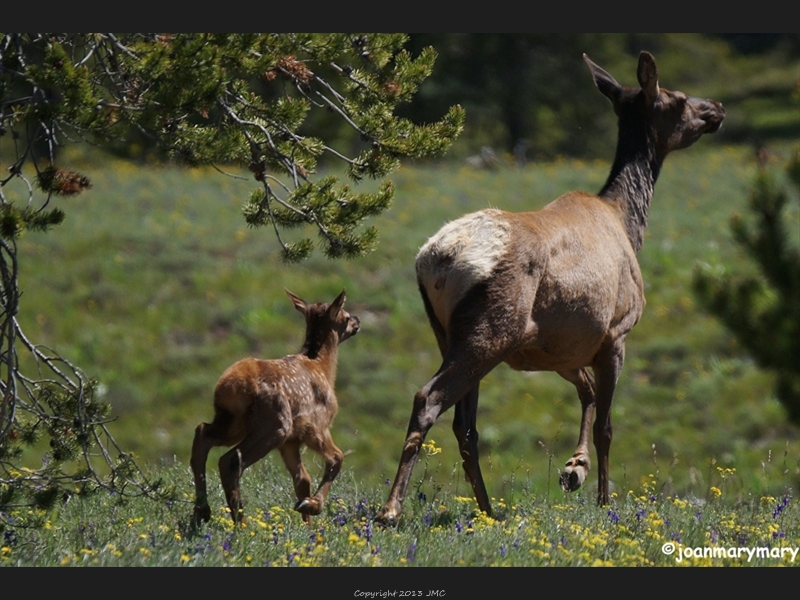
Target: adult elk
(552, 290)
(260, 405)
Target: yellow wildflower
(431, 448)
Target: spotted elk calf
(261, 405)
(551, 290)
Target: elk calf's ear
(298, 302)
(338, 304)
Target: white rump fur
(461, 254)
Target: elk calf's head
(262, 405)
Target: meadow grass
(439, 529)
(154, 285)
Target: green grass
(440, 527)
(154, 285)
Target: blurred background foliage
(527, 91)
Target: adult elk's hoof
(574, 474)
(387, 517)
(201, 514)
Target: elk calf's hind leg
(235, 461)
(203, 442)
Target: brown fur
(261, 405)
(552, 290)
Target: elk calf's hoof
(308, 506)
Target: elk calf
(260, 405)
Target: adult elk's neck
(633, 177)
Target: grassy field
(439, 529)
(154, 285)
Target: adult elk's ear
(647, 74)
(607, 85)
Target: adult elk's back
(261, 405)
(552, 290)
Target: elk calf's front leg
(333, 464)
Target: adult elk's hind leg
(466, 432)
(577, 467)
(606, 369)
(447, 387)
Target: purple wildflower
(503, 551)
(612, 514)
(459, 527)
(10, 538)
(412, 549)
(780, 506)
(226, 545)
